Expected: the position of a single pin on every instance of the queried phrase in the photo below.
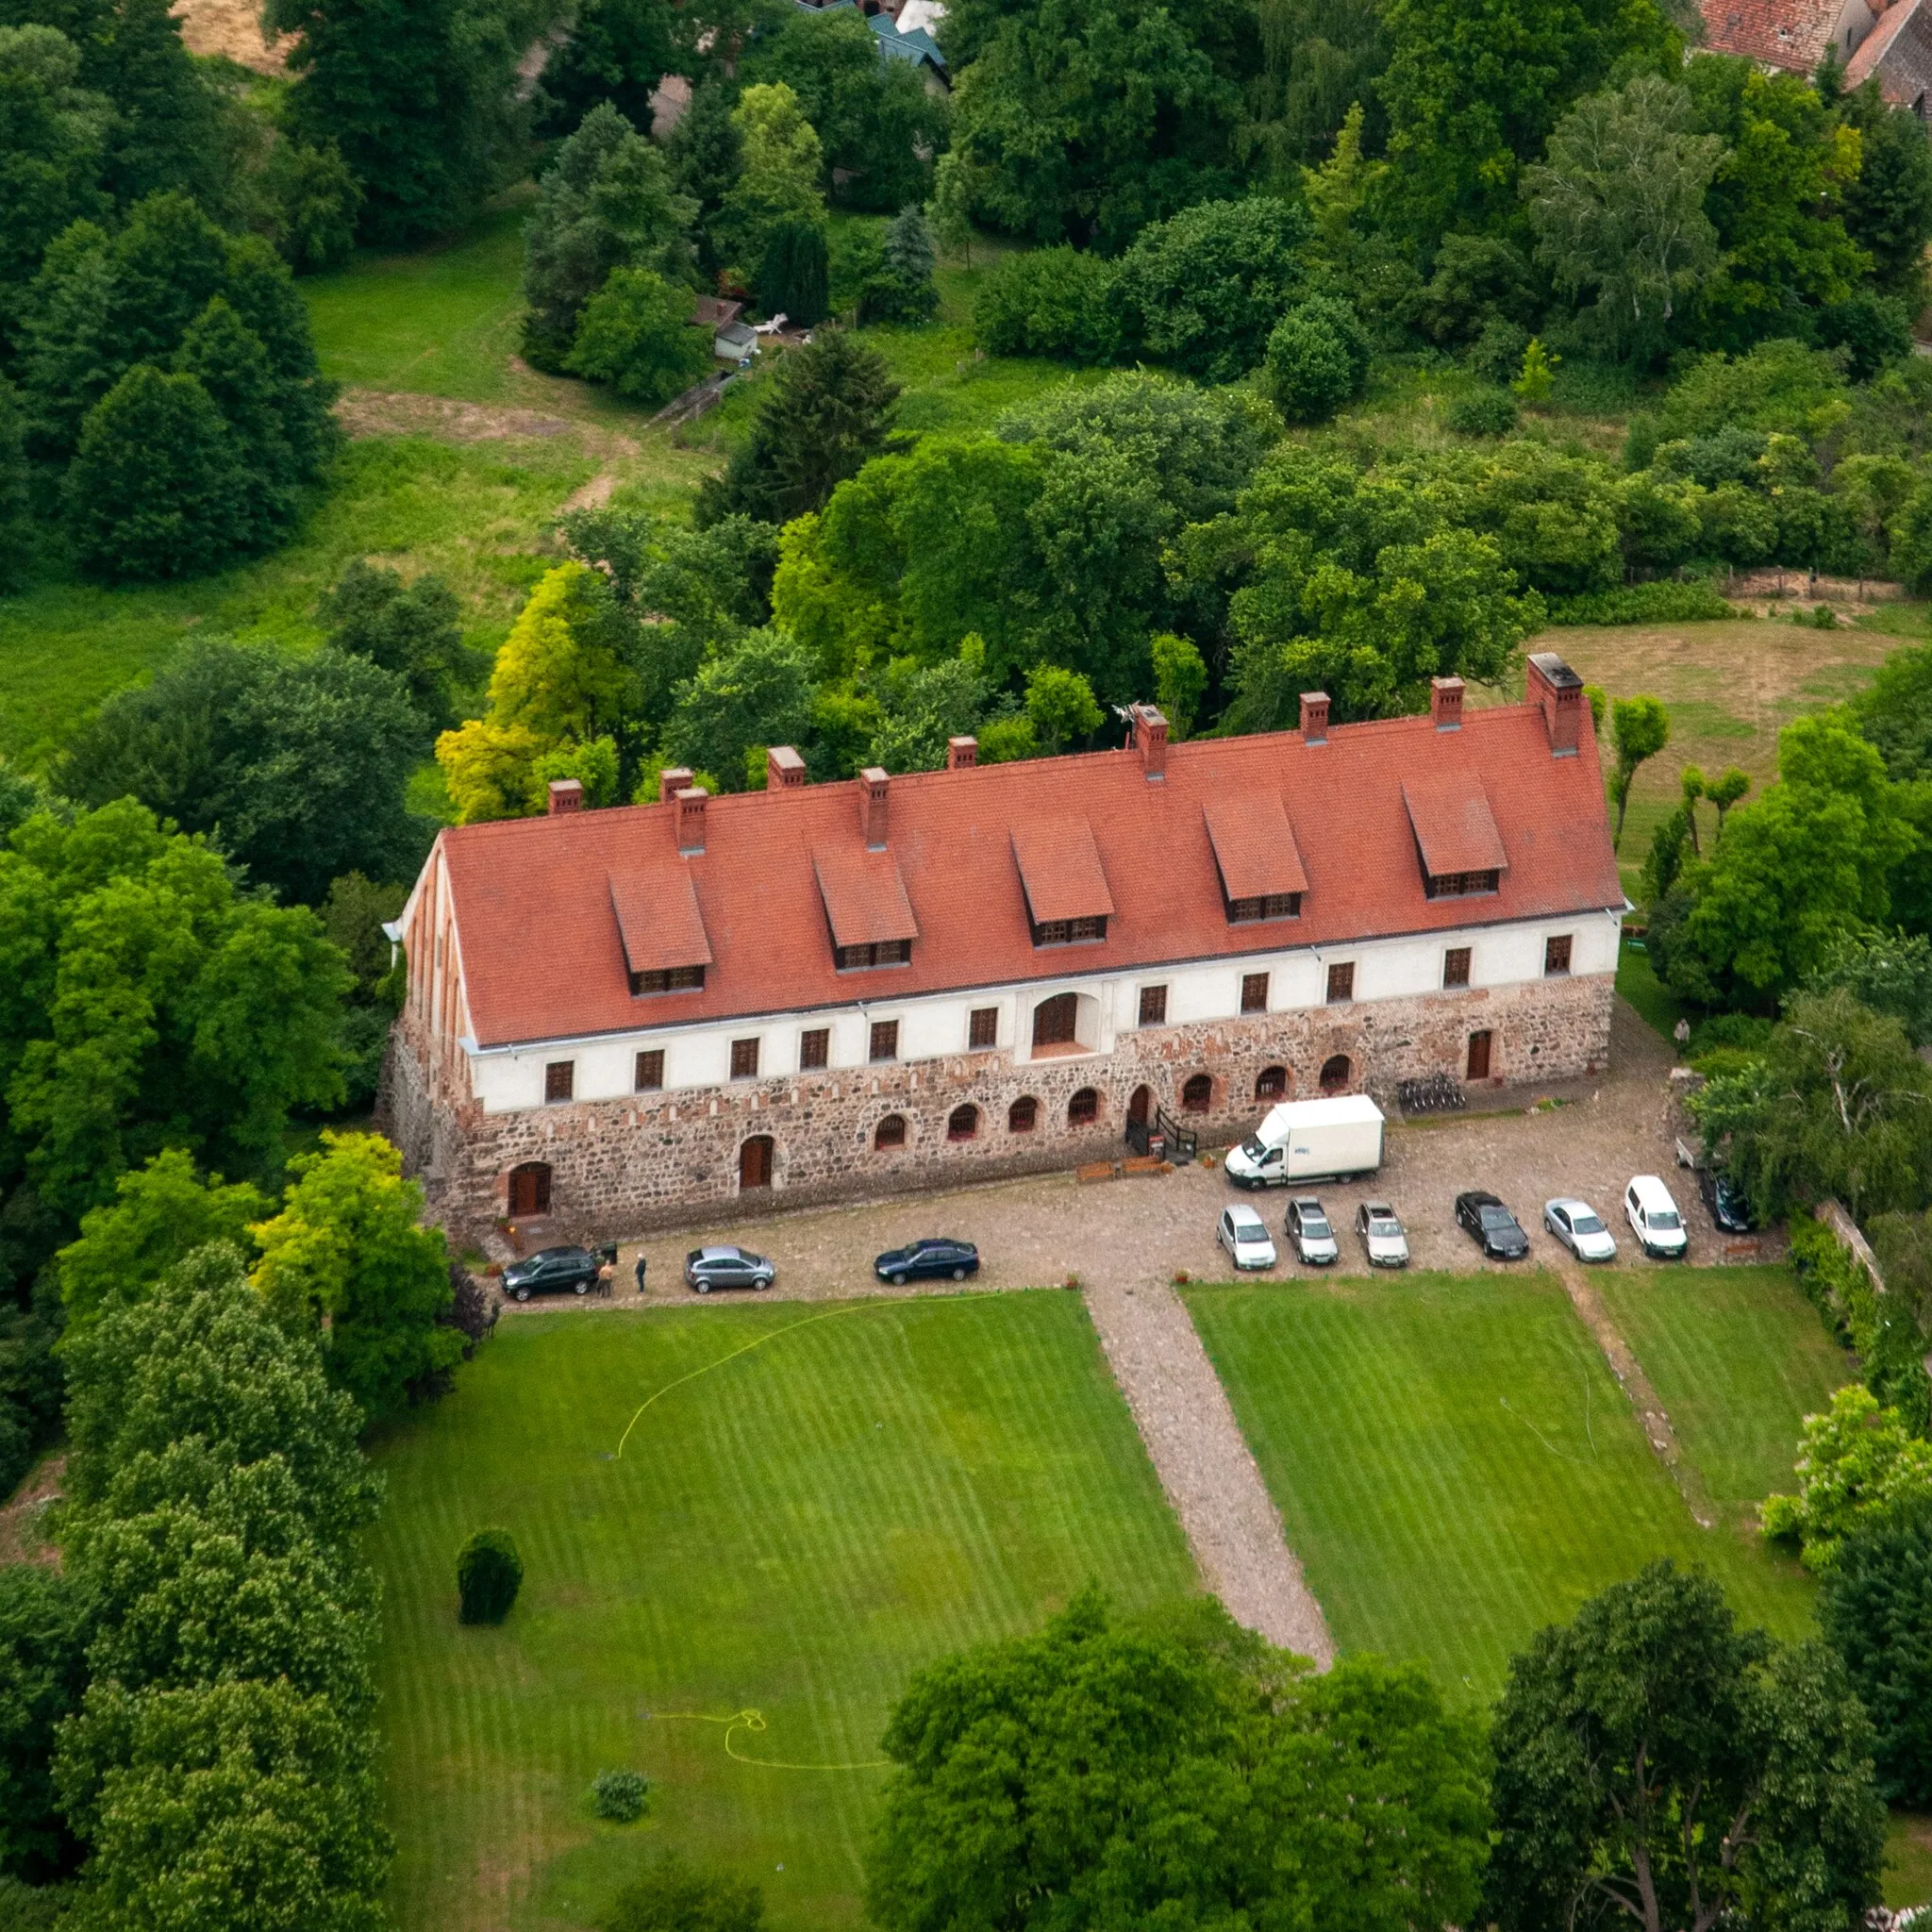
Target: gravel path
(1205, 1466)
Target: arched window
(1271, 1083)
(1335, 1073)
(529, 1190)
(1053, 1020)
(963, 1124)
(755, 1162)
(1022, 1116)
(889, 1133)
(1084, 1108)
(1198, 1096)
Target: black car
(928, 1261)
(552, 1271)
(1726, 1201)
(726, 1267)
(1491, 1226)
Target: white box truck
(1310, 1140)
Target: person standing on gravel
(640, 1271)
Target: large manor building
(643, 1016)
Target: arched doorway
(1335, 1074)
(755, 1162)
(529, 1190)
(1198, 1096)
(1054, 1020)
(1271, 1083)
(1140, 1108)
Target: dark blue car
(931, 1260)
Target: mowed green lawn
(795, 1531)
(1455, 1463)
(1740, 1359)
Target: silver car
(1382, 1237)
(1581, 1228)
(1309, 1234)
(1245, 1235)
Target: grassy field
(1740, 1359)
(796, 1533)
(1729, 686)
(1455, 1463)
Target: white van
(1310, 1140)
(1655, 1219)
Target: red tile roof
(1455, 829)
(1899, 51)
(1254, 845)
(1782, 33)
(865, 897)
(657, 918)
(542, 956)
(1060, 871)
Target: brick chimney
(962, 753)
(1150, 735)
(566, 795)
(671, 781)
(872, 784)
(1445, 703)
(691, 819)
(784, 769)
(1557, 692)
(1314, 716)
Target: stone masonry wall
(657, 1160)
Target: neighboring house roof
(736, 340)
(917, 46)
(1899, 52)
(713, 311)
(1781, 33)
(544, 951)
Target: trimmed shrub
(489, 1575)
(1669, 600)
(1052, 302)
(1484, 412)
(1317, 359)
(619, 1796)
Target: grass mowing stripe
(761, 1543)
(1455, 1464)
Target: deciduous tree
(1856, 1462)
(636, 334)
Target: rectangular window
(1274, 906)
(1456, 966)
(650, 1071)
(983, 1029)
(1254, 992)
(1340, 984)
(884, 1040)
(1068, 932)
(673, 979)
(1153, 1006)
(745, 1059)
(1557, 954)
(814, 1048)
(1459, 885)
(559, 1080)
(884, 953)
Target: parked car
(726, 1267)
(1382, 1237)
(1726, 1201)
(1655, 1219)
(552, 1271)
(1309, 1234)
(1581, 1228)
(1245, 1235)
(928, 1261)
(1491, 1226)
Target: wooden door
(1053, 1020)
(1479, 1054)
(1140, 1106)
(529, 1190)
(755, 1162)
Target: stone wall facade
(619, 1167)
